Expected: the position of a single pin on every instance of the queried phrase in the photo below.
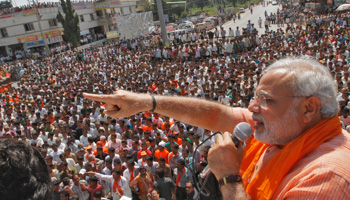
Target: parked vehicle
(181, 31)
(200, 26)
(241, 10)
(209, 24)
(188, 27)
(196, 19)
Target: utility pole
(38, 17)
(162, 22)
(215, 7)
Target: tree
(202, 3)
(233, 2)
(70, 23)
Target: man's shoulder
(330, 159)
(333, 154)
(320, 173)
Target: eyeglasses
(262, 100)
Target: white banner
(134, 25)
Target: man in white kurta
(121, 181)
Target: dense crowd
(28, 7)
(149, 156)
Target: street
(258, 11)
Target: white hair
(310, 78)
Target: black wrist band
(230, 179)
(154, 103)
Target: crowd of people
(151, 156)
(27, 7)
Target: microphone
(241, 133)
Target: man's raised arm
(194, 111)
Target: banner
(134, 25)
(6, 16)
(115, 2)
(112, 34)
(26, 13)
(54, 39)
(79, 6)
(36, 37)
(101, 5)
(35, 43)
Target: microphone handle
(235, 140)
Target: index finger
(99, 97)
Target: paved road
(258, 11)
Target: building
(19, 27)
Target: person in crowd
(119, 184)
(143, 183)
(77, 188)
(154, 195)
(192, 193)
(164, 185)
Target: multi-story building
(19, 28)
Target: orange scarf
(132, 175)
(267, 180)
(117, 187)
(179, 176)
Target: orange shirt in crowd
(163, 154)
(178, 141)
(104, 150)
(163, 125)
(51, 119)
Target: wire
(195, 178)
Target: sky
(25, 2)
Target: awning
(84, 32)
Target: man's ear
(312, 109)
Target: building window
(29, 27)
(81, 18)
(3, 33)
(52, 22)
(92, 17)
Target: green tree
(202, 3)
(177, 10)
(234, 2)
(70, 23)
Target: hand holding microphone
(226, 154)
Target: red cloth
(97, 188)
(149, 153)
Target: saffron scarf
(265, 183)
(117, 187)
(179, 176)
(132, 174)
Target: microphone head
(243, 131)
